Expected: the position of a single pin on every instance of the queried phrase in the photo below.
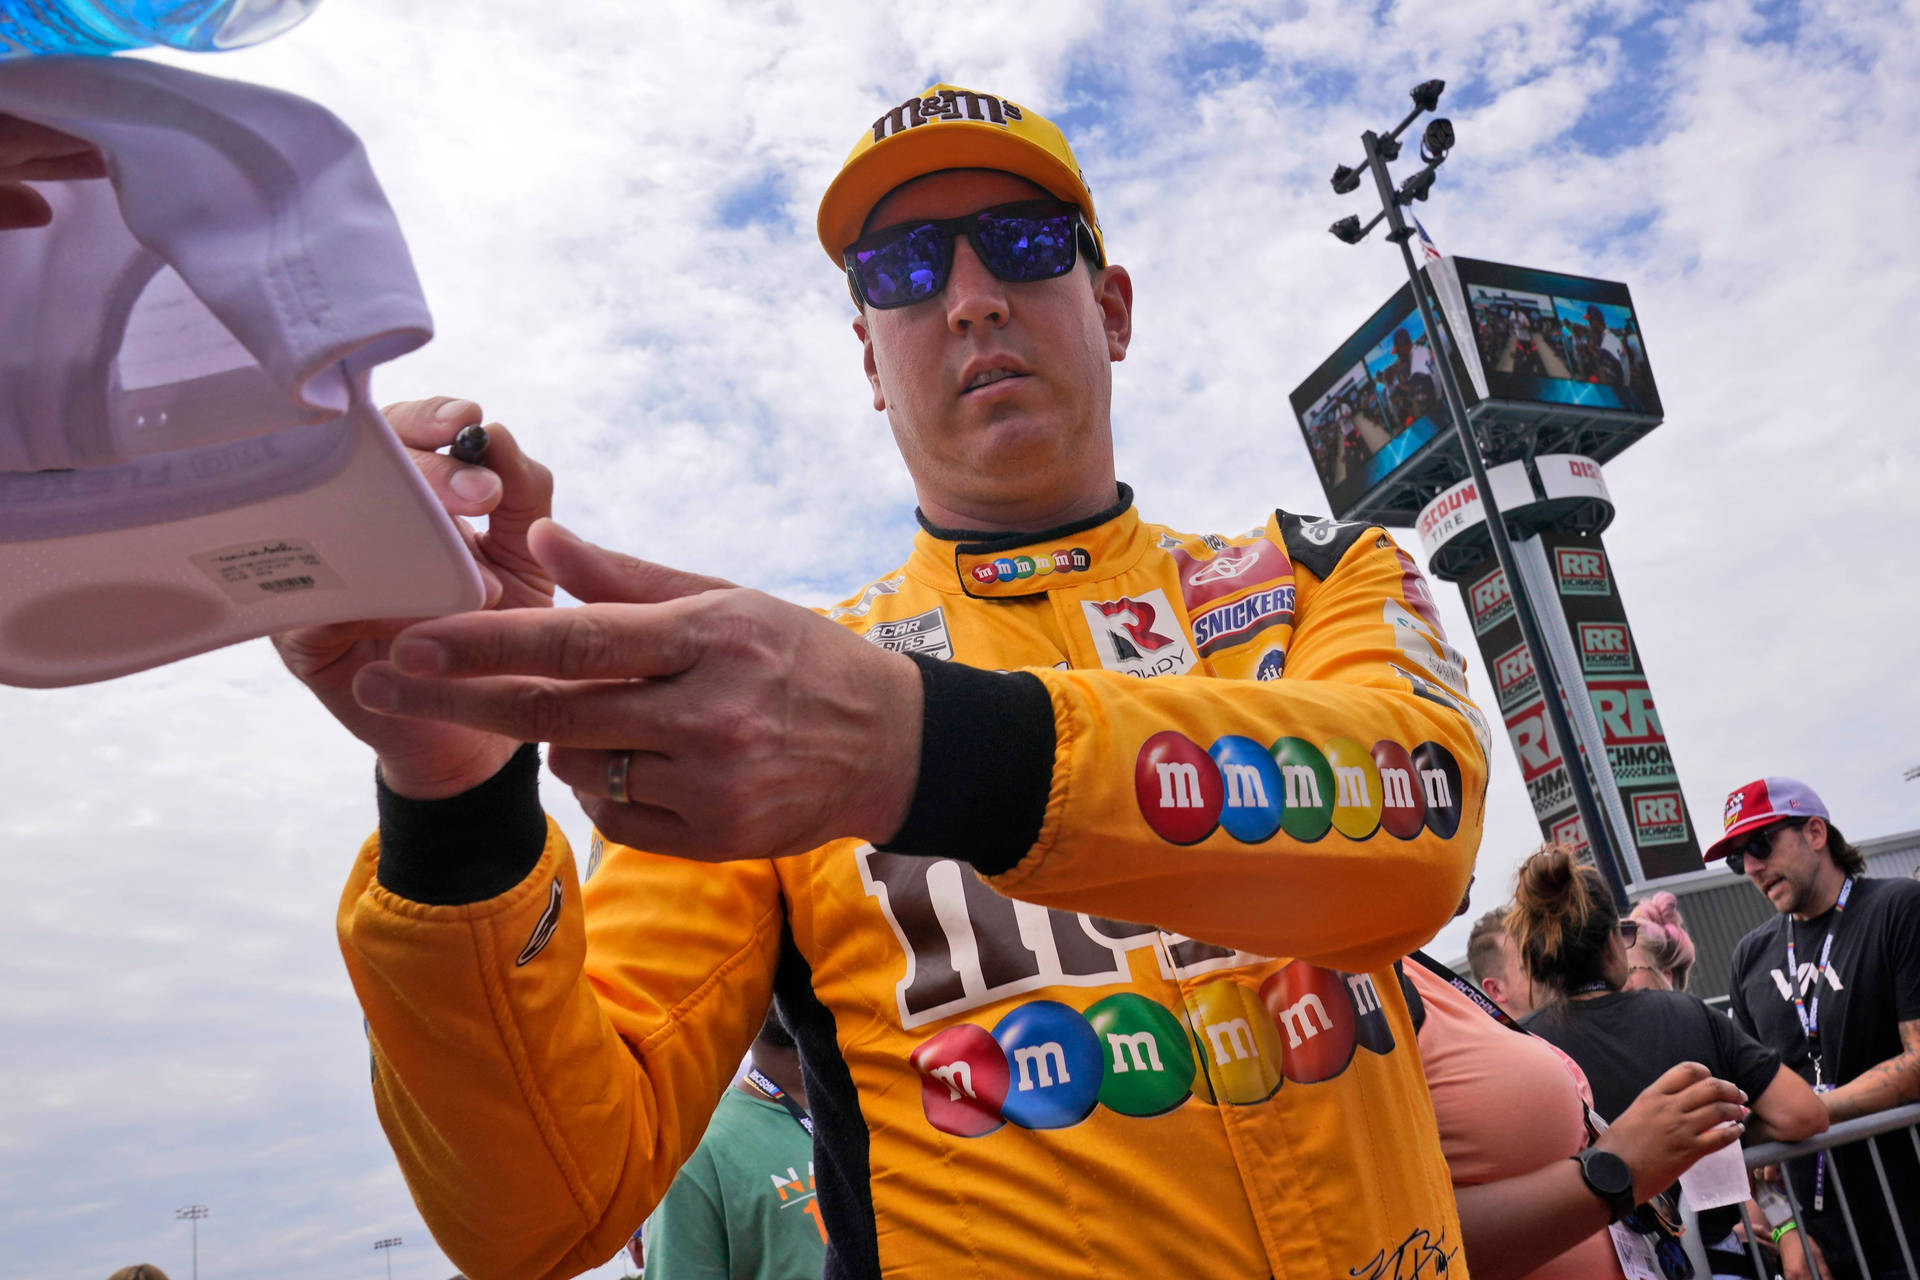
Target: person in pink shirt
(1533, 1193)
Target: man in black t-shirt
(1832, 983)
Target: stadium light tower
(385, 1248)
(1435, 142)
(193, 1213)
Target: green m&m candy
(1149, 1066)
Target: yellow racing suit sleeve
(540, 1092)
(1331, 815)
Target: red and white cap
(1761, 804)
(189, 455)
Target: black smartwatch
(1608, 1177)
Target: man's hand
(425, 759)
(35, 153)
(748, 727)
(1674, 1122)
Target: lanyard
(1470, 990)
(1809, 1011)
(1809, 1014)
(758, 1080)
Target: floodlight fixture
(1418, 186)
(384, 1247)
(1348, 229)
(1426, 94)
(192, 1214)
(1388, 147)
(1345, 179)
(1436, 140)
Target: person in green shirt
(743, 1206)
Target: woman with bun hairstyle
(1663, 956)
(1574, 943)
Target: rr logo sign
(1513, 674)
(1658, 818)
(1605, 647)
(1490, 601)
(1582, 571)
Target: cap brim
(368, 541)
(865, 182)
(1738, 832)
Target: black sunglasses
(1020, 243)
(1758, 846)
(1629, 933)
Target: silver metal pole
(1893, 1213)
(1531, 554)
(193, 1213)
(1600, 836)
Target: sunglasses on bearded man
(1020, 243)
(1758, 846)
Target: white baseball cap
(189, 456)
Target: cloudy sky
(611, 206)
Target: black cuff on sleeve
(465, 848)
(986, 766)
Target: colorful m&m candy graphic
(1290, 786)
(1046, 1066)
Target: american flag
(1426, 241)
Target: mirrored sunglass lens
(1024, 247)
(905, 269)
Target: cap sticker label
(250, 572)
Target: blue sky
(612, 215)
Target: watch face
(1607, 1173)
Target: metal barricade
(1869, 1130)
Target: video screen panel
(1373, 405)
(1547, 337)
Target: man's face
(1799, 858)
(998, 393)
(1508, 982)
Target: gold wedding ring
(617, 776)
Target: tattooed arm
(1893, 1083)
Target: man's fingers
(426, 426)
(22, 207)
(592, 642)
(1723, 1135)
(598, 714)
(1681, 1076)
(1710, 1090)
(431, 423)
(528, 495)
(649, 779)
(73, 168)
(596, 575)
(637, 825)
(22, 142)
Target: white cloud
(179, 1028)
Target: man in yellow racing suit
(1085, 923)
